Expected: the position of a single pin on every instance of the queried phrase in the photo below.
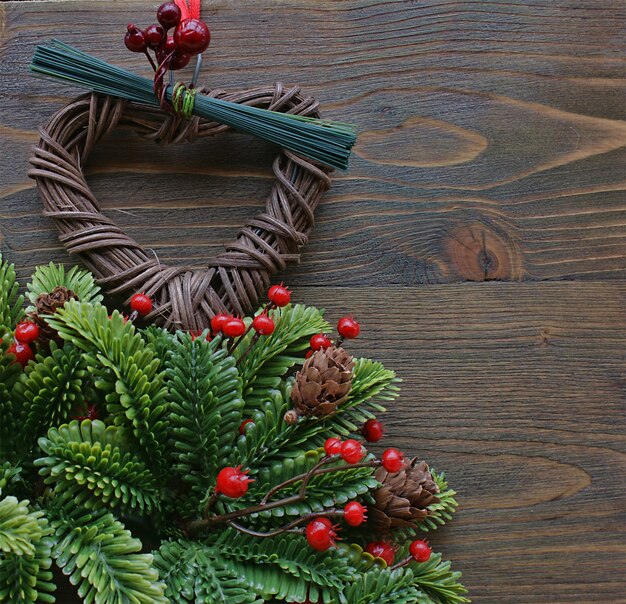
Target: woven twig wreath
(184, 298)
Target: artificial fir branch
(265, 505)
(176, 411)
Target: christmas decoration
(141, 304)
(372, 431)
(420, 550)
(320, 341)
(393, 460)
(156, 494)
(167, 111)
(404, 496)
(382, 550)
(323, 383)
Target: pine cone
(48, 304)
(403, 499)
(322, 384)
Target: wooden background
(478, 236)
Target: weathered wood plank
(517, 390)
(491, 145)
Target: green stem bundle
(324, 141)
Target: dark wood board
(491, 148)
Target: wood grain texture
(484, 206)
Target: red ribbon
(190, 9)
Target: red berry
(218, 322)
(309, 354)
(168, 46)
(26, 332)
(372, 430)
(393, 460)
(279, 295)
(420, 550)
(192, 36)
(232, 482)
(352, 451)
(234, 327)
(354, 513)
(134, 39)
(348, 328)
(320, 534)
(154, 35)
(263, 325)
(141, 304)
(244, 423)
(325, 521)
(381, 549)
(179, 60)
(332, 446)
(320, 341)
(168, 15)
(23, 353)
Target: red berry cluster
(230, 326)
(26, 333)
(352, 452)
(419, 550)
(321, 533)
(263, 324)
(190, 37)
(347, 328)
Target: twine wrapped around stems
(184, 297)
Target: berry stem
(402, 563)
(200, 524)
(247, 531)
(254, 340)
(210, 502)
(287, 528)
(269, 306)
(305, 478)
(152, 63)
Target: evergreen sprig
(26, 578)
(124, 367)
(49, 392)
(10, 299)
(102, 558)
(19, 527)
(172, 417)
(87, 462)
(204, 410)
(77, 280)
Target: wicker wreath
(184, 298)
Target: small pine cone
(323, 382)
(48, 304)
(403, 499)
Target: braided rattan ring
(184, 298)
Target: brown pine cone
(48, 304)
(322, 384)
(403, 499)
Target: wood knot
(477, 253)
